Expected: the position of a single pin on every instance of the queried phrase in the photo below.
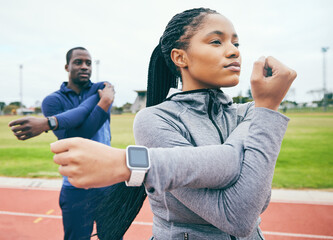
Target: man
(79, 109)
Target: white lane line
(143, 223)
(297, 235)
(56, 216)
(56, 189)
(303, 202)
(29, 215)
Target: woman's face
(212, 58)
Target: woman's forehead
(217, 23)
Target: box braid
(163, 73)
(122, 204)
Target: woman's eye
(236, 45)
(216, 42)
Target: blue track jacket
(78, 115)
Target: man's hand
(270, 82)
(106, 96)
(89, 164)
(28, 127)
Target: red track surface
(34, 214)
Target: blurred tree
(16, 104)
(2, 105)
(241, 99)
(329, 100)
(10, 109)
(38, 110)
(249, 94)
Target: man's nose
(84, 66)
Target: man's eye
(88, 63)
(236, 45)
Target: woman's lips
(235, 67)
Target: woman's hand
(89, 164)
(270, 82)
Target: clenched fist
(270, 82)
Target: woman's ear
(179, 57)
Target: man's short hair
(70, 52)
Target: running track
(33, 213)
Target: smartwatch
(137, 160)
(52, 122)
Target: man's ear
(66, 68)
(179, 57)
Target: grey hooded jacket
(212, 164)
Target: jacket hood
(199, 99)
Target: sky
(122, 35)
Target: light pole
(324, 50)
(97, 70)
(21, 87)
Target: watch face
(138, 157)
(52, 122)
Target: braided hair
(122, 204)
(163, 73)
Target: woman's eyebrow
(217, 32)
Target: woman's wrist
(268, 106)
(124, 172)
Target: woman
(212, 161)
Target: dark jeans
(78, 210)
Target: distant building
(140, 101)
(25, 111)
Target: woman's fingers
(62, 158)
(258, 70)
(63, 145)
(64, 170)
(270, 82)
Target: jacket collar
(65, 89)
(199, 99)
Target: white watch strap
(136, 178)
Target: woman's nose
(232, 51)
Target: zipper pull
(186, 236)
(211, 93)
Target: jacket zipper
(210, 105)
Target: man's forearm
(105, 103)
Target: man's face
(79, 67)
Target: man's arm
(28, 127)
(96, 117)
(73, 120)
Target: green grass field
(305, 160)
